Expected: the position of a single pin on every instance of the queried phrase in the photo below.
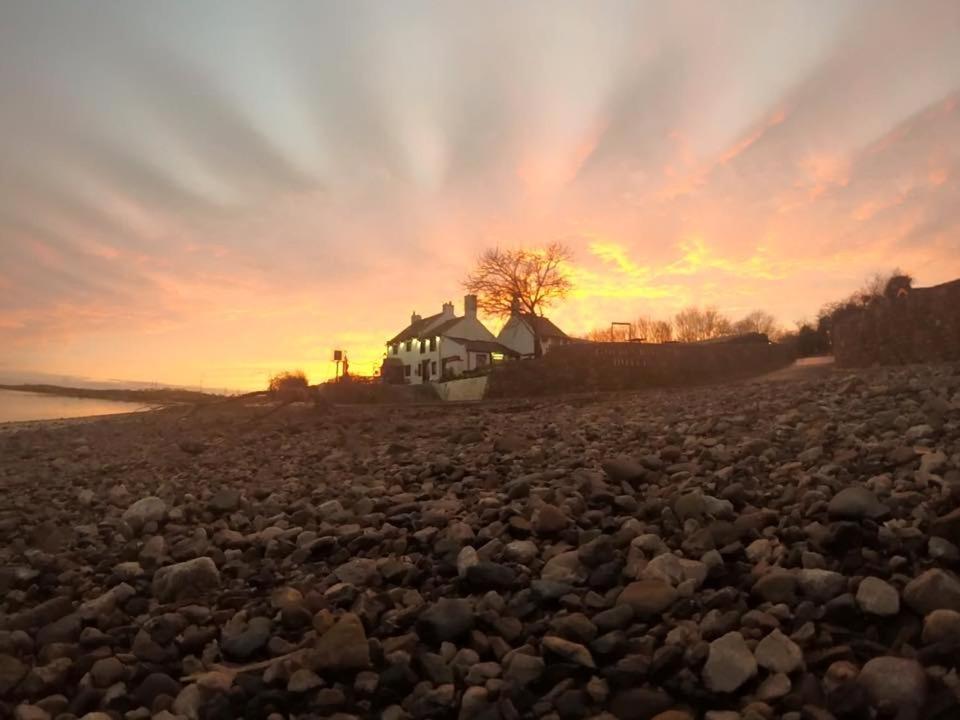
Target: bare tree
(758, 321)
(661, 331)
(694, 324)
(531, 279)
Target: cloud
(197, 192)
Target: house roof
(544, 327)
(414, 330)
(485, 346)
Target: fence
(622, 366)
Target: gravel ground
(757, 551)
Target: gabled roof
(485, 346)
(414, 330)
(442, 327)
(426, 328)
(543, 326)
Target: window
(409, 345)
(406, 371)
(423, 346)
(481, 359)
(433, 368)
(396, 348)
(433, 344)
(418, 370)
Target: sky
(204, 194)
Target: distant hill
(154, 396)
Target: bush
(289, 386)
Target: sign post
(337, 357)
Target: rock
(648, 598)
(30, 712)
(774, 687)
(947, 526)
(777, 586)
(510, 443)
(188, 702)
(549, 520)
(778, 653)
(153, 686)
(520, 551)
(933, 590)
(521, 669)
(186, 580)
(564, 568)
(943, 550)
(624, 469)
(243, 642)
(877, 597)
(143, 511)
(729, 664)
(342, 647)
(821, 585)
(940, 625)
(106, 672)
(898, 681)
(12, 671)
(303, 680)
(466, 559)
(487, 575)
(447, 619)
(574, 652)
(225, 500)
(639, 703)
(359, 571)
(856, 502)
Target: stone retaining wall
(621, 366)
(922, 326)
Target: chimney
(448, 309)
(515, 306)
(470, 306)
(414, 318)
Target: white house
(442, 345)
(518, 334)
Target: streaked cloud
(209, 193)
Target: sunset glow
(207, 194)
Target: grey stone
(898, 681)
(932, 590)
(877, 597)
(856, 502)
(778, 653)
(729, 663)
(186, 580)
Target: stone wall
(621, 366)
(921, 326)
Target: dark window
(409, 345)
(481, 359)
(433, 344)
(406, 371)
(423, 346)
(433, 368)
(396, 348)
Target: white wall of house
(517, 335)
(413, 358)
(467, 327)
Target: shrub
(289, 386)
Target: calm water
(16, 405)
